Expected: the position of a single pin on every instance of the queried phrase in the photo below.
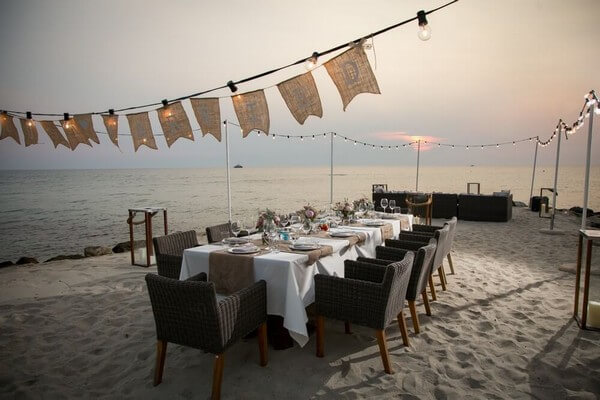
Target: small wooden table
(590, 235)
(149, 212)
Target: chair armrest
(363, 271)
(390, 253)
(243, 311)
(425, 228)
(415, 237)
(377, 261)
(169, 265)
(406, 244)
(201, 277)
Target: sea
(51, 212)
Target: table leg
(130, 220)
(165, 219)
(586, 284)
(578, 276)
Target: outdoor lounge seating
(187, 313)
(169, 252)
(368, 295)
(217, 233)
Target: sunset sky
(493, 71)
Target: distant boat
(238, 166)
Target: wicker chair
(369, 295)
(187, 313)
(421, 270)
(430, 231)
(218, 232)
(169, 252)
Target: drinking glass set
(392, 204)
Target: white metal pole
(227, 165)
(331, 174)
(418, 157)
(588, 158)
(556, 176)
(533, 174)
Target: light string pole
(418, 160)
(537, 142)
(588, 156)
(331, 173)
(560, 127)
(227, 164)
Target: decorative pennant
(141, 130)
(174, 123)
(208, 115)
(8, 128)
(252, 111)
(301, 96)
(352, 74)
(84, 121)
(111, 122)
(29, 131)
(74, 133)
(54, 134)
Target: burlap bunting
(252, 111)
(174, 123)
(208, 115)
(29, 131)
(74, 133)
(111, 122)
(84, 121)
(352, 74)
(301, 96)
(8, 128)
(54, 134)
(141, 130)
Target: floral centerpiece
(308, 215)
(267, 217)
(363, 204)
(345, 209)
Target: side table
(149, 212)
(590, 235)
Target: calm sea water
(46, 213)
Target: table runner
(387, 230)
(231, 272)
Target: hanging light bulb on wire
(424, 29)
(311, 62)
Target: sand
(503, 329)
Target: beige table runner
(357, 237)
(387, 230)
(231, 272)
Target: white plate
(235, 241)
(243, 250)
(342, 234)
(374, 223)
(305, 246)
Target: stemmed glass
(236, 228)
(384, 204)
(392, 206)
(283, 221)
(294, 219)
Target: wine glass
(384, 204)
(236, 228)
(283, 221)
(392, 206)
(294, 219)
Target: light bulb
(311, 62)
(424, 29)
(29, 123)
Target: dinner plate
(374, 223)
(305, 246)
(342, 234)
(235, 241)
(243, 250)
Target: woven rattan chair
(187, 313)
(419, 275)
(429, 230)
(169, 252)
(369, 295)
(217, 233)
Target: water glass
(384, 204)
(392, 206)
(236, 228)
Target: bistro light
(66, 118)
(232, 86)
(311, 62)
(424, 29)
(29, 119)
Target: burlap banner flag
(141, 130)
(208, 115)
(111, 122)
(29, 131)
(352, 74)
(174, 123)
(252, 111)
(54, 134)
(74, 133)
(9, 130)
(301, 96)
(84, 121)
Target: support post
(556, 175)
(588, 159)
(533, 173)
(418, 159)
(331, 174)
(227, 168)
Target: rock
(519, 204)
(125, 246)
(66, 257)
(594, 221)
(6, 264)
(26, 260)
(579, 211)
(94, 251)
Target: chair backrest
(185, 312)
(175, 243)
(395, 283)
(441, 235)
(451, 232)
(217, 233)
(421, 270)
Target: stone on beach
(26, 260)
(6, 264)
(126, 246)
(94, 251)
(66, 257)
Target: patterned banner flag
(301, 96)
(252, 111)
(74, 133)
(208, 115)
(174, 123)
(29, 131)
(111, 122)
(54, 134)
(8, 128)
(352, 74)
(84, 121)
(141, 130)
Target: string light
(29, 119)
(66, 118)
(232, 86)
(424, 29)
(311, 62)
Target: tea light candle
(593, 316)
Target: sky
(493, 71)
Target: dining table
(289, 275)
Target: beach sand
(503, 329)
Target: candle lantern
(587, 310)
(546, 210)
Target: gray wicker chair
(169, 252)
(187, 313)
(421, 270)
(369, 295)
(217, 233)
(430, 231)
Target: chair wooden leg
(442, 275)
(320, 336)
(403, 330)
(262, 344)
(451, 263)
(413, 315)
(426, 302)
(161, 354)
(347, 328)
(217, 376)
(385, 358)
(432, 288)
